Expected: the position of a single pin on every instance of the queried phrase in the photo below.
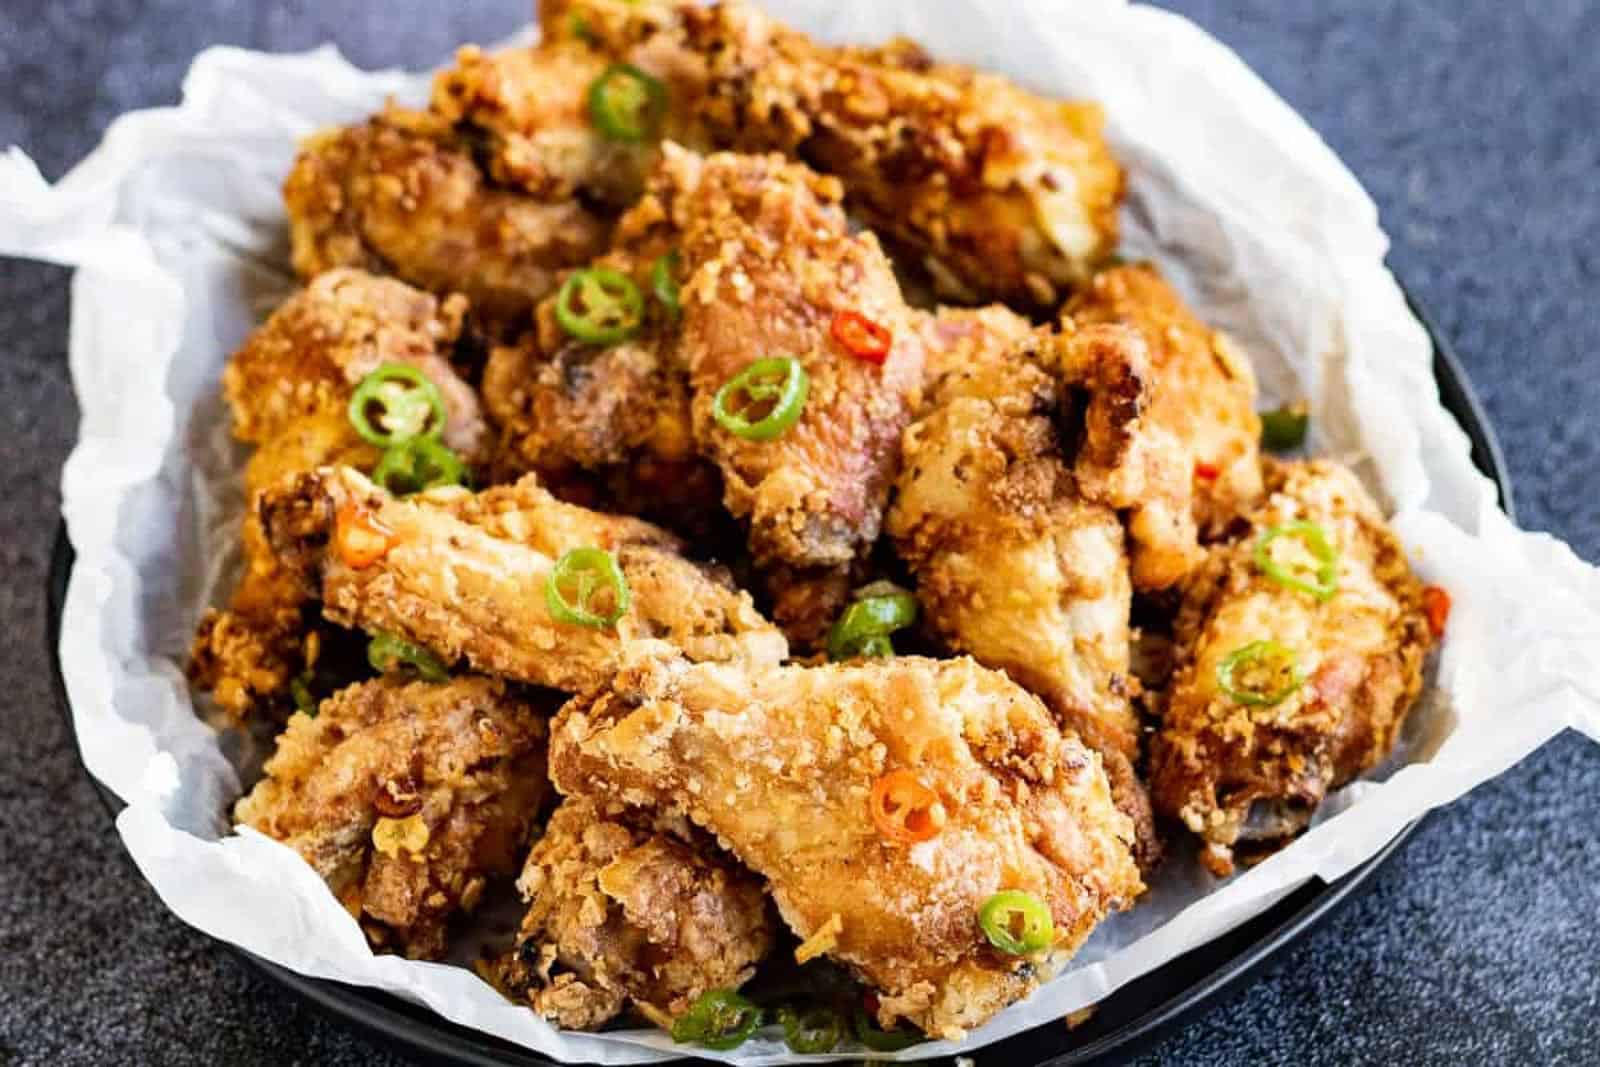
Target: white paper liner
(175, 224)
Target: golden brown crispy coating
(620, 913)
(407, 798)
(1013, 565)
(770, 261)
(401, 194)
(1205, 390)
(464, 575)
(1002, 194)
(778, 764)
(1237, 774)
(307, 358)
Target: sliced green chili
(764, 400)
(387, 651)
(864, 627)
(1284, 429)
(720, 1019)
(811, 1029)
(1262, 673)
(1017, 923)
(589, 574)
(419, 464)
(626, 104)
(664, 283)
(300, 693)
(600, 306)
(395, 404)
(879, 1040)
(1321, 580)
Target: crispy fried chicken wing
(402, 194)
(621, 912)
(770, 263)
(1014, 565)
(778, 764)
(1238, 773)
(407, 799)
(464, 575)
(1205, 390)
(1002, 194)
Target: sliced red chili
(862, 337)
(1207, 472)
(1436, 606)
(361, 540)
(904, 809)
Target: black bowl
(1126, 1022)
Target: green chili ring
(1284, 429)
(419, 464)
(410, 406)
(594, 570)
(1267, 653)
(1017, 923)
(385, 651)
(719, 1019)
(1316, 541)
(864, 627)
(880, 1040)
(813, 1029)
(787, 395)
(626, 104)
(664, 284)
(612, 308)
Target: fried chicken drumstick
(779, 764)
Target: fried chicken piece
(407, 799)
(1205, 390)
(308, 357)
(779, 764)
(620, 412)
(770, 263)
(1240, 774)
(402, 194)
(1002, 194)
(464, 575)
(1014, 565)
(620, 913)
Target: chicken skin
(288, 387)
(465, 576)
(407, 798)
(779, 765)
(999, 193)
(1283, 693)
(1206, 392)
(1014, 564)
(402, 194)
(771, 265)
(623, 914)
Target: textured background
(1473, 123)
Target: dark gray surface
(1474, 126)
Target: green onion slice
(864, 627)
(877, 1040)
(419, 464)
(1262, 673)
(1284, 429)
(1316, 568)
(583, 580)
(394, 404)
(764, 400)
(600, 306)
(626, 104)
(386, 651)
(812, 1029)
(664, 283)
(1017, 923)
(720, 1019)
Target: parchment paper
(176, 226)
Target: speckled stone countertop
(1476, 126)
